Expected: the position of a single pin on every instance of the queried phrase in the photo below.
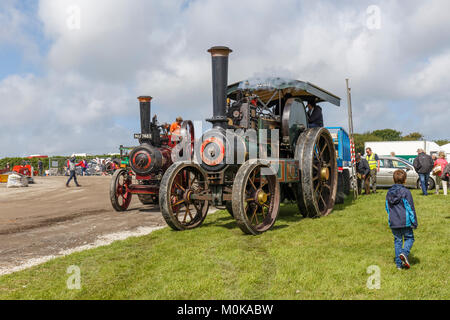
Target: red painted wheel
(118, 191)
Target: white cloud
(14, 30)
(124, 49)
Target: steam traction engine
(259, 152)
(148, 161)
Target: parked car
(389, 164)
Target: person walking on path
(423, 164)
(71, 166)
(40, 167)
(438, 168)
(402, 218)
(363, 174)
(374, 165)
(83, 164)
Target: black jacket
(423, 163)
(362, 167)
(316, 117)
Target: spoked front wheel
(255, 197)
(118, 191)
(180, 185)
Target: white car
(389, 164)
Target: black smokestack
(220, 80)
(144, 104)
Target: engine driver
(175, 129)
(315, 117)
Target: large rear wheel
(180, 183)
(255, 197)
(318, 173)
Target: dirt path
(47, 219)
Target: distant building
(403, 149)
(36, 156)
(80, 155)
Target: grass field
(324, 258)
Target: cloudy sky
(70, 70)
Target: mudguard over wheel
(255, 197)
(118, 191)
(318, 169)
(180, 182)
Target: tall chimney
(219, 57)
(144, 104)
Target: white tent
(446, 149)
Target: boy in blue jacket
(402, 218)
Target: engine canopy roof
(271, 88)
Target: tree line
(388, 135)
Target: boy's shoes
(399, 268)
(405, 261)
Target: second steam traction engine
(149, 160)
(260, 151)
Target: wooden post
(352, 142)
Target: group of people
(402, 217)
(366, 170)
(425, 165)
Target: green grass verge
(324, 258)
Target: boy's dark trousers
(400, 234)
(74, 176)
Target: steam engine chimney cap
(144, 98)
(220, 51)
